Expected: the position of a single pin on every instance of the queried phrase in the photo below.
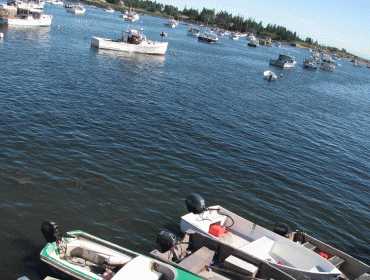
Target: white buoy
(1, 34)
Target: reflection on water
(41, 34)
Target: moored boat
(193, 31)
(254, 43)
(211, 259)
(284, 61)
(208, 37)
(234, 36)
(109, 10)
(131, 41)
(245, 236)
(171, 23)
(28, 18)
(328, 64)
(309, 63)
(86, 257)
(76, 9)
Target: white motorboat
(234, 36)
(278, 44)
(28, 5)
(132, 16)
(124, 14)
(357, 64)
(328, 64)
(284, 61)
(30, 19)
(86, 257)
(208, 37)
(309, 63)
(10, 8)
(254, 43)
(251, 37)
(58, 3)
(131, 41)
(109, 10)
(227, 227)
(193, 31)
(76, 9)
(270, 76)
(171, 23)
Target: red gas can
(217, 230)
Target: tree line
(223, 20)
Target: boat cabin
(132, 36)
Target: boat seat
(196, 261)
(138, 268)
(260, 248)
(336, 261)
(309, 246)
(85, 253)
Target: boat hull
(206, 40)
(28, 22)
(282, 64)
(154, 48)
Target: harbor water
(112, 143)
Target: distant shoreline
(119, 8)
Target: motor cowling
(283, 230)
(166, 240)
(195, 203)
(50, 231)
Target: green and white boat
(84, 256)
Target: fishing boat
(245, 236)
(76, 9)
(211, 259)
(132, 16)
(327, 64)
(131, 41)
(278, 44)
(234, 36)
(357, 64)
(171, 23)
(254, 43)
(310, 64)
(193, 31)
(87, 257)
(109, 10)
(208, 37)
(284, 61)
(270, 76)
(28, 18)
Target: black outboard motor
(283, 230)
(195, 203)
(50, 231)
(166, 240)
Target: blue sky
(341, 23)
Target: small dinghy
(84, 256)
(211, 259)
(251, 239)
(270, 76)
(163, 34)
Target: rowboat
(245, 236)
(211, 259)
(270, 76)
(86, 257)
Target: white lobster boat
(247, 237)
(76, 9)
(30, 19)
(131, 41)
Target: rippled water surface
(112, 143)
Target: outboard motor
(195, 204)
(166, 240)
(50, 231)
(283, 230)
